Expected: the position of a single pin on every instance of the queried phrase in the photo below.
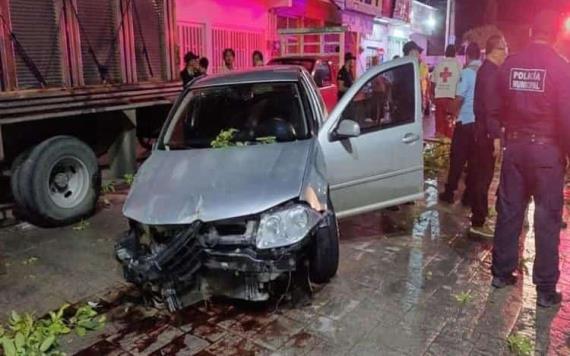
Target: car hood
(180, 187)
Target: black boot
(548, 298)
(502, 282)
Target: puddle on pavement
(140, 327)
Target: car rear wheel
(324, 261)
(59, 181)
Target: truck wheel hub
(69, 182)
(61, 180)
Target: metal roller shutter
(149, 30)
(35, 24)
(98, 25)
(191, 37)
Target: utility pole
(448, 22)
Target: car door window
(385, 101)
(323, 76)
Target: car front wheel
(324, 261)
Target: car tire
(324, 261)
(59, 181)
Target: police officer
(535, 98)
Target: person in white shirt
(445, 78)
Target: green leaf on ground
(83, 225)
(520, 345)
(463, 298)
(25, 335)
(108, 187)
(129, 179)
(30, 260)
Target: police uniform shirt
(346, 76)
(535, 94)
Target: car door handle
(410, 138)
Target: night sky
(512, 17)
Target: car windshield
(308, 64)
(235, 115)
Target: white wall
(241, 15)
(250, 14)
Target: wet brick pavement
(397, 292)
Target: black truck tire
(21, 210)
(324, 261)
(59, 182)
(15, 178)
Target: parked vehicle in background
(250, 174)
(321, 71)
(80, 80)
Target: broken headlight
(286, 227)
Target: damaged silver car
(250, 174)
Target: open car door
(373, 141)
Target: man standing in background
(191, 68)
(413, 50)
(345, 76)
(487, 134)
(463, 142)
(445, 78)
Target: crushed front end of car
(242, 258)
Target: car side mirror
(347, 129)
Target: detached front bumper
(193, 259)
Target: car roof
(278, 73)
(302, 58)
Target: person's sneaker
(482, 231)
(548, 299)
(502, 282)
(446, 198)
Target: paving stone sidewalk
(411, 282)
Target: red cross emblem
(446, 74)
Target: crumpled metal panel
(315, 184)
(180, 187)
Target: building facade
(374, 28)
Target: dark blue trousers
(537, 171)
(461, 156)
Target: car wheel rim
(68, 182)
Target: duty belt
(533, 138)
